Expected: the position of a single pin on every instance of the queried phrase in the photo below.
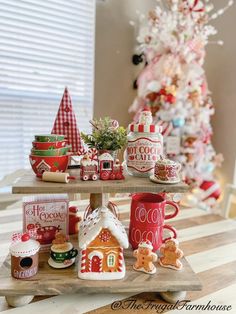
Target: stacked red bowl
(49, 153)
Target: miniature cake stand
(48, 281)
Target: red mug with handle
(147, 218)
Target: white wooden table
(208, 241)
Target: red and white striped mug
(147, 217)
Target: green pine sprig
(105, 136)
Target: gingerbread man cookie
(171, 255)
(60, 241)
(145, 258)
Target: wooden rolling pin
(63, 177)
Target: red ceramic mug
(147, 219)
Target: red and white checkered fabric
(65, 123)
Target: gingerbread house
(102, 239)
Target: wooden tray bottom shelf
(50, 281)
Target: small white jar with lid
(24, 257)
(144, 147)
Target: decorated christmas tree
(65, 123)
(171, 45)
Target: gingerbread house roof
(101, 218)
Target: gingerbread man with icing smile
(145, 258)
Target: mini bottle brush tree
(171, 47)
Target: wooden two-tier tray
(171, 284)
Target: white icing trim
(144, 270)
(110, 252)
(102, 276)
(95, 253)
(145, 245)
(114, 256)
(170, 266)
(106, 156)
(89, 162)
(164, 162)
(24, 249)
(25, 253)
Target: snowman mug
(147, 217)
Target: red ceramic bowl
(48, 145)
(40, 164)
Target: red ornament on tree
(162, 92)
(65, 123)
(171, 98)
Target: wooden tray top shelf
(30, 184)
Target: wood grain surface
(50, 281)
(208, 241)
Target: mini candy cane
(167, 127)
(93, 154)
(81, 151)
(16, 237)
(115, 124)
(195, 6)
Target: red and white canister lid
(24, 247)
(151, 128)
(145, 145)
(145, 123)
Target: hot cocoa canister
(145, 145)
(24, 257)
